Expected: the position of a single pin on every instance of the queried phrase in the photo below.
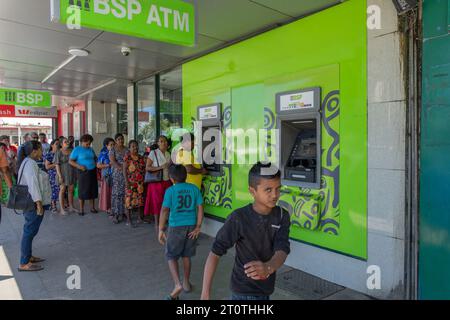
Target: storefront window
(171, 101)
(146, 113)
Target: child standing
(260, 233)
(185, 204)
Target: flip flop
(33, 267)
(169, 297)
(188, 290)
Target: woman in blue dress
(51, 170)
(104, 164)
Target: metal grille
(306, 286)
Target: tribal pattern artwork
(218, 190)
(319, 209)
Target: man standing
(185, 156)
(20, 153)
(44, 143)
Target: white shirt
(162, 159)
(36, 180)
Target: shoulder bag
(155, 176)
(20, 197)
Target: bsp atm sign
(25, 98)
(26, 104)
(171, 21)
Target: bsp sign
(25, 98)
(171, 21)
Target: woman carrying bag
(40, 191)
(157, 177)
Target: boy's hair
(262, 171)
(178, 173)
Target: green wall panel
(434, 225)
(328, 49)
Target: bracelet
(269, 271)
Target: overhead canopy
(31, 46)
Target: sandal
(189, 289)
(36, 260)
(30, 267)
(169, 297)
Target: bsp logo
(29, 98)
(23, 98)
(82, 4)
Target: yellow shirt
(187, 158)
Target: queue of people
(155, 186)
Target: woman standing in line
(66, 176)
(116, 156)
(84, 159)
(40, 191)
(51, 170)
(104, 164)
(158, 160)
(134, 173)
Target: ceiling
(31, 46)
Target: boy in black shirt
(260, 232)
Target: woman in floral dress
(116, 156)
(134, 173)
(51, 170)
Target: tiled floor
(117, 262)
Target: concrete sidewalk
(117, 262)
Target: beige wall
(98, 112)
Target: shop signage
(297, 101)
(25, 97)
(171, 21)
(10, 111)
(208, 112)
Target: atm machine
(211, 118)
(299, 122)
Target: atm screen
(302, 162)
(307, 148)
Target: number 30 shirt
(182, 199)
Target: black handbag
(156, 176)
(20, 197)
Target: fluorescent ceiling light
(62, 65)
(73, 54)
(100, 86)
